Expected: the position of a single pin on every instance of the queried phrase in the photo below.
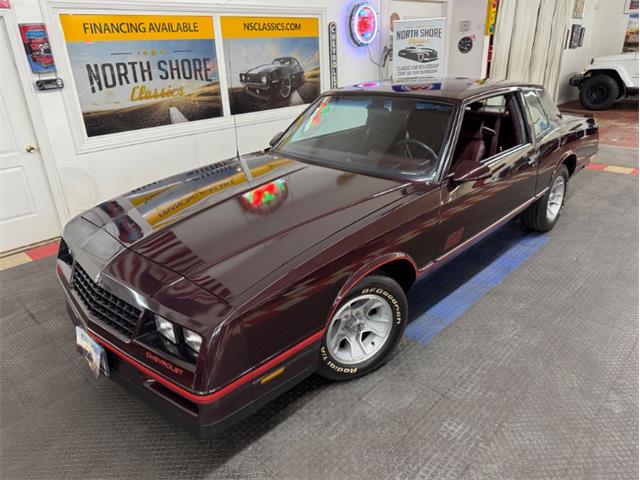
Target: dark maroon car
(210, 292)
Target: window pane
(401, 137)
(539, 119)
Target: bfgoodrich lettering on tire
(364, 329)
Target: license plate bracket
(93, 352)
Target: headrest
(471, 129)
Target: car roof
(458, 89)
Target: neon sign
(364, 24)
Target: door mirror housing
(275, 139)
(470, 171)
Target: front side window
(382, 135)
(539, 120)
(489, 127)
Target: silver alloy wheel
(285, 87)
(556, 197)
(359, 329)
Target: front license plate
(92, 351)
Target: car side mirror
(276, 138)
(469, 171)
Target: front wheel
(364, 329)
(599, 92)
(543, 215)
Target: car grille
(253, 78)
(105, 306)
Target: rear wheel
(543, 215)
(599, 92)
(364, 329)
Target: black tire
(535, 217)
(599, 92)
(283, 92)
(386, 289)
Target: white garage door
(27, 212)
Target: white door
(27, 211)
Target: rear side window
(539, 120)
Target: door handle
(30, 148)
(533, 159)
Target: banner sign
(333, 55)
(272, 62)
(142, 71)
(36, 44)
(419, 48)
(490, 22)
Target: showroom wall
(92, 169)
(465, 18)
(91, 148)
(605, 26)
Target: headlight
(263, 79)
(192, 339)
(166, 329)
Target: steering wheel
(403, 147)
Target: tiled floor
(618, 126)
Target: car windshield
(385, 136)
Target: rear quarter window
(539, 121)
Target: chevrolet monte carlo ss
(210, 292)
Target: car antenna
(243, 164)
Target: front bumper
(262, 91)
(576, 80)
(202, 414)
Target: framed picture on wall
(160, 71)
(578, 9)
(631, 35)
(574, 42)
(581, 36)
(272, 62)
(631, 6)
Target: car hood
(224, 233)
(266, 68)
(618, 57)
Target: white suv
(606, 80)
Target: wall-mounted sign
(333, 55)
(631, 6)
(490, 22)
(631, 35)
(142, 71)
(465, 44)
(574, 41)
(36, 44)
(419, 48)
(49, 84)
(578, 9)
(363, 24)
(271, 62)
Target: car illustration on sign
(419, 54)
(210, 292)
(275, 80)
